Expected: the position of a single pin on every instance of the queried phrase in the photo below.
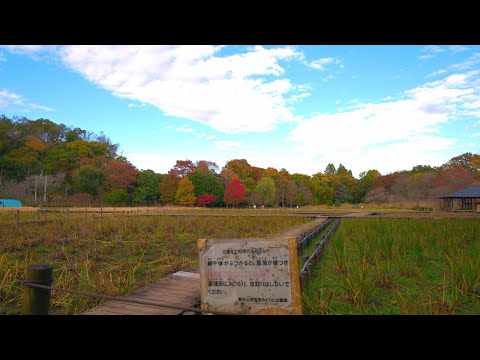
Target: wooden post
(101, 212)
(303, 280)
(38, 214)
(85, 213)
(44, 215)
(36, 301)
(304, 259)
(17, 217)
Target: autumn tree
(168, 187)
(185, 192)
(454, 179)
(207, 167)
(244, 171)
(234, 193)
(120, 175)
(183, 168)
(206, 199)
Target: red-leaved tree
(206, 199)
(120, 175)
(80, 199)
(234, 193)
(454, 179)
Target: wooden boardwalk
(180, 289)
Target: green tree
(88, 180)
(330, 169)
(365, 184)
(264, 192)
(116, 197)
(147, 187)
(185, 193)
(207, 183)
(320, 188)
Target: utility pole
(36, 183)
(45, 191)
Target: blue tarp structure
(10, 203)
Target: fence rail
(36, 297)
(310, 261)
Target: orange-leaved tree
(185, 192)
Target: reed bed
(399, 266)
(113, 255)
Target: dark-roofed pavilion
(466, 199)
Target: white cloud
(2, 58)
(185, 129)
(211, 137)
(458, 48)
(9, 99)
(389, 135)
(320, 64)
(426, 57)
(169, 126)
(39, 107)
(25, 49)
(228, 93)
(434, 49)
(155, 161)
(228, 145)
(436, 73)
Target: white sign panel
(247, 276)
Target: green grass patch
(398, 266)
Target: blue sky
(295, 107)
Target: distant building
(10, 203)
(467, 199)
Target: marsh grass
(398, 266)
(113, 255)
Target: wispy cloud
(434, 49)
(389, 135)
(228, 145)
(426, 57)
(185, 129)
(471, 62)
(458, 48)
(39, 107)
(321, 64)
(132, 105)
(9, 99)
